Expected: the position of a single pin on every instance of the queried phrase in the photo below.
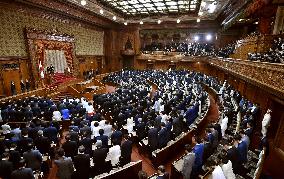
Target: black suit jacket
(232, 155)
(82, 165)
(6, 168)
(23, 144)
(70, 148)
(42, 144)
(15, 157)
(153, 138)
(99, 156)
(23, 173)
(177, 126)
(126, 150)
(87, 143)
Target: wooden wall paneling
(11, 75)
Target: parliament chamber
(146, 89)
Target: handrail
(127, 171)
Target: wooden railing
(128, 171)
(268, 76)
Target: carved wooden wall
(13, 69)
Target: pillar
(279, 20)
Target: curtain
(57, 59)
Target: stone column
(279, 20)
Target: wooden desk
(128, 171)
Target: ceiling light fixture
(83, 2)
(208, 37)
(114, 17)
(178, 21)
(159, 21)
(211, 8)
(196, 38)
(141, 22)
(203, 4)
(197, 20)
(125, 23)
(102, 11)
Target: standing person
(64, 165)
(198, 150)
(188, 162)
(28, 85)
(6, 166)
(265, 122)
(126, 150)
(22, 172)
(33, 158)
(23, 86)
(82, 164)
(13, 88)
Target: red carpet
(60, 78)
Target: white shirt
(228, 170)
(56, 116)
(95, 130)
(108, 130)
(164, 118)
(0, 116)
(224, 125)
(113, 155)
(90, 109)
(218, 173)
(6, 129)
(265, 123)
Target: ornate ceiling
(134, 11)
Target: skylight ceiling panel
(161, 8)
(172, 7)
(159, 4)
(148, 5)
(144, 1)
(151, 9)
(171, 3)
(138, 6)
(127, 7)
(133, 2)
(123, 3)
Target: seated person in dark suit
(82, 164)
(103, 138)
(22, 172)
(126, 150)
